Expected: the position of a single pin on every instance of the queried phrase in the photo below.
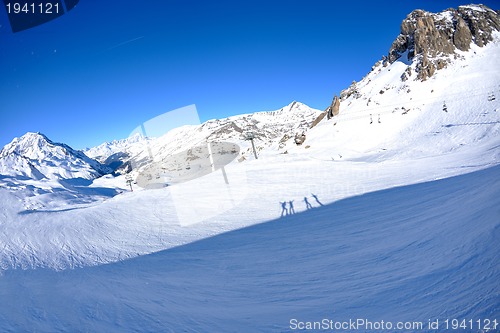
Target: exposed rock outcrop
(462, 36)
(319, 118)
(430, 39)
(351, 91)
(333, 109)
(329, 112)
(300, 138)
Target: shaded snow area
(411, 253)
(389, 211)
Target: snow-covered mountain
(394, 113)
(34, 155)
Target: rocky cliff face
(432, 40)
(333, 110)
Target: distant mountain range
(35, 156)
(272, 130)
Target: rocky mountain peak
(430, 39)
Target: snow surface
(434, 257)
(394, 220)
(475, 8)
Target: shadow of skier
(291, 209)
(317, 200)
(284, 210)
(308, 205)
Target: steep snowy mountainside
(34, 155)
(14, 164)
(389, 114)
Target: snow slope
(406, 119)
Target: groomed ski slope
(410, 253)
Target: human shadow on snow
(288, 208)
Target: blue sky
(99, 71)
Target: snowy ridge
(107, 149)
(412, 119)
(13, 164)
(117, 154)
